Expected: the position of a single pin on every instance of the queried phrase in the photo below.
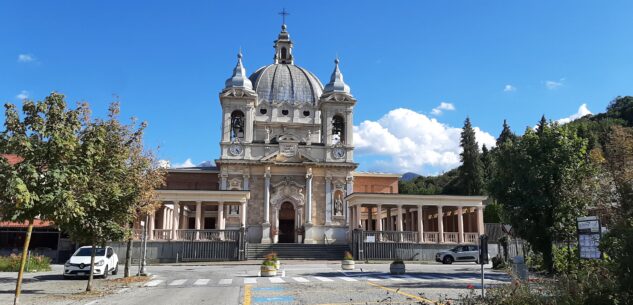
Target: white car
(106, 261)
(468, 253)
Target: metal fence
(387, 245)
(205, 245)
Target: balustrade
(450, 237)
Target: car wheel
(447, 260)
(116, 270)
(105, 272)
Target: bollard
(519, 268)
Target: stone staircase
(297, 251)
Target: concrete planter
(268, 271)
(277, 264)
(397, 268)
(347, 264)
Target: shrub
(498, 263)
(269, 263)
(398, 261)
(272, 256)
(35, 263)
(348, 256)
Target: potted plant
(272, 256)
(397, 266)
(348, 261)
(268, 268)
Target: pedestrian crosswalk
(304, 279)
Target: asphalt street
(299, 282)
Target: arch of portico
(418, 218)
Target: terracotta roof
(36, 224)
(12, 159)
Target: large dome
(286, 83)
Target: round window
(284, 112)
(263, 111)
(306, 113)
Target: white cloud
(582, 111)
(552, 85)
(443, 106)
(509, 88)
(187, 163)
(22, 95)
(25, 58)
(404, 140)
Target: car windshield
(456, 249)
(88, 252)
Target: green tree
(487, 164)
(618, 243)
(506, 134)
(539, 180)
(46, 137)
(109, 196)
(470, 172)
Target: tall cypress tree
(471, 170)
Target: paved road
(305, 283)
(300, 282)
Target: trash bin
(519, 268)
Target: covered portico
(197, 214)
(440, 219)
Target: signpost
(483, 257)
(589, 234)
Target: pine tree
(506, 134)
(470, 172)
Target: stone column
(165, 218)
(357, 217)
(309, 235)
(174, 223)
(388, 222)
(420, 224)
(480, 220)
(349, 189)
(309, 196)
(460, 225)
(440, 224)
(379, 217)
(243, 214)
(151, 226)
(266, 224)
(220, 223)
(399, 220)
(328, 200)
(183, 224)
(198, 218)
(370, 218)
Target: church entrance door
(286, 223)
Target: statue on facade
(338, 205)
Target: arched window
(283, 53)
(237, 125)
(338, 129)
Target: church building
(286, 171)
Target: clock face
(338, 152)
(235, 149)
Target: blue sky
(168, 60)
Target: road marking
(177, 282)
(284, 298)
(153, 283)
(250, 280)
(393, 278)
(93, 302)
(276, 280)
(300, 279)
(323, 279)
(277, 288)
(201, 282)
(247, 295)
(226, 281)
(398, 291)
(374, 279)
(348, 279)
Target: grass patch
(35, 263)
